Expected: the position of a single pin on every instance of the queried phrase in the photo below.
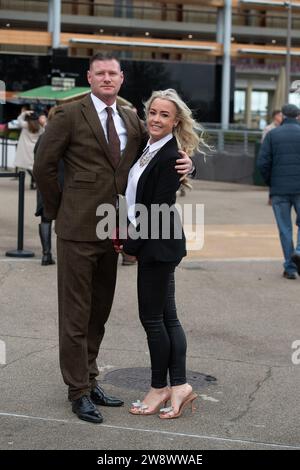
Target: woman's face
(162, 117)
(42, 120)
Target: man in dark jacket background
(279, 164)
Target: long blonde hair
(188, 132)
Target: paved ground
(241, 318)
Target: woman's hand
(119, 250)
(184, 164)
(131, 258)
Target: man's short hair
(103, 56)
(290, 110)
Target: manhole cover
(138, 378)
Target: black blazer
(158, 185)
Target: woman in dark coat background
(45, 227)
(153, 181)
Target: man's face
(278, 119)
(105, 78)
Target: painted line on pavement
(229, 260)
(11, 259)
(187, 261)
(157, 431)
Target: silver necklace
(146, 156)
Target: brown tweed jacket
(75, 135)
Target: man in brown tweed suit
(98, 145)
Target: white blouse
(137, 170)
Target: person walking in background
(45, 226)
(30, 133)
(276, 121)
(15, 123)
(279, 164)
(153, 180)
(98, 142)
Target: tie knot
(109, 111)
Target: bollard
(20, 252)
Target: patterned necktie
(113, 138)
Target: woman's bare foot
(155, 399)
(179, 393)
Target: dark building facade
(199, 84)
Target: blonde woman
(153, 180)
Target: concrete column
(220, 32)
(226, 65)
(56, 24)
(248, 119)
(220, 25)
(50, 16)
(288, 51)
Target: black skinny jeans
(165, 335)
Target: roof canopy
(47, 95)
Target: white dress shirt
(136, 172)
(118, 122)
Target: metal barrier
(19, 252)
(5, 143)
(233, 141)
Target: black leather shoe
(99, 397)
(296, 259)
(289, 275)
(86, 410)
